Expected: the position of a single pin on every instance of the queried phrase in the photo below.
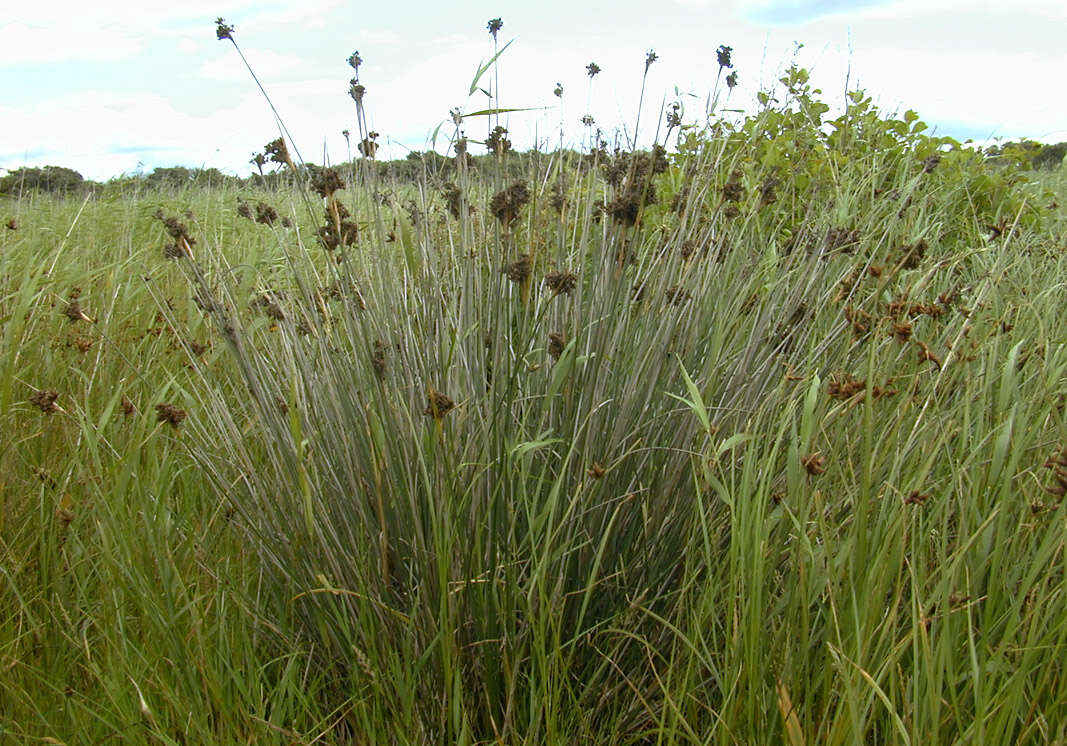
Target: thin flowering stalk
(592, 69)
(494, 27)
(225, 31)
(723, 57)
(649, 59)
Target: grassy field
(762, 441)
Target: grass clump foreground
(759, 441)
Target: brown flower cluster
(561, 283)
(277, 152)
(520, 269)
(506, 205)
(379, 361)
(170, 414)
(367, 146)
(326, 181)
(631, 175)
(676, 295)
(734, 189)
(223, 30)
(439, 404)
(343, 232)
(268, 303)
(845, 387)
(556, 344)
(498, 142)
(45, 400)
(814, 464)
(768, 194)
(909, 257)
(183, 242)
(1058, 463)
(841, 239)
(454, 199)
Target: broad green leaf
(482, 69)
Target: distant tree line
(413, 168)
(1030, 154)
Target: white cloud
(268, 65)
(113, 132)
(66, 41)
(901, 56)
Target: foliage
(759, 442)
(50, 179)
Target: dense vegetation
(759, 440)
(410, 170)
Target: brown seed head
(902, 331)
(676, 295)
(277, 152)
(506, 205)
(916, 498)
(367, 146)
(556, 344)
(169, 414)
(439, 404)
(722, 55)
(326, 181)
(498, 142)
(814, 464)
(767, 191)
(844, 386)
(74, 312)
(520, 269)
(265, 214)
(561, 283)
(379, 360)
(734, 189)
(45, 400)
(926, 355)
(223, 30)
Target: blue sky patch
(798, 12)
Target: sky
(116, 87)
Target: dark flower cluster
(45, 400)
(170, 414)
(631, 174)
(453, 199)
(506, 205)
(520, 269)
(561, 283)
(498, 142)
(223, 30)
(326, 181)
(439, 404)
(177, 230)
(344, 232)
(277, 152)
